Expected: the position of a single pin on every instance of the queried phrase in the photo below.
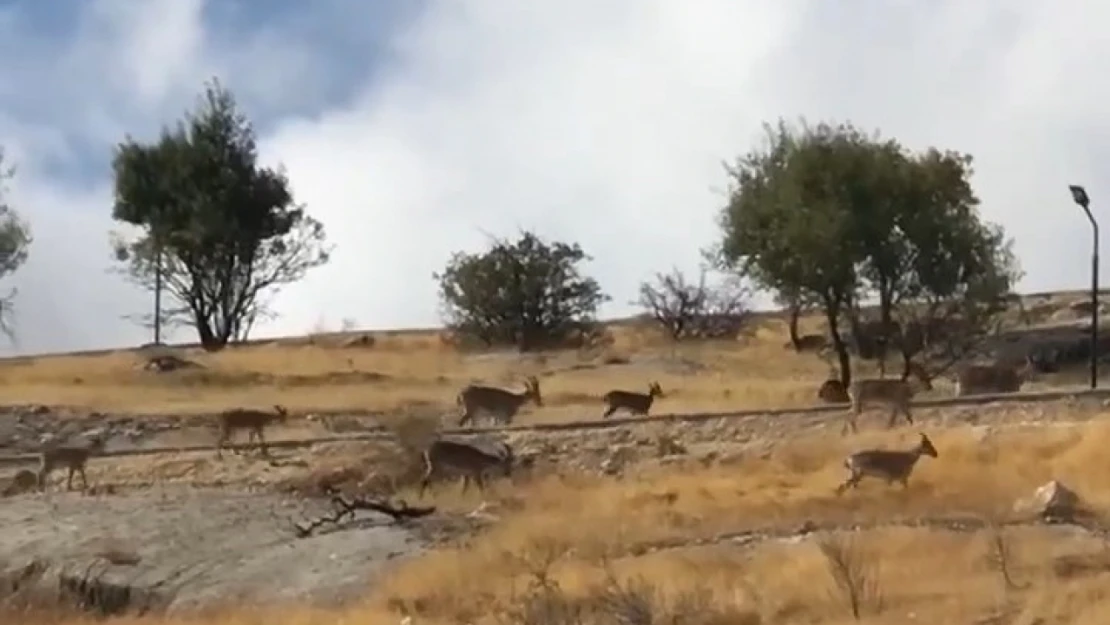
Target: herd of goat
(471, 462)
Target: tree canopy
(221, 232)
(15, 244)
(830, 214)
(529, 293)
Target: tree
(832, 215)
(959, 270)
(528, 293)
(787, 224)
(220, 232)
(795, 302)
(688, 310)
(15, 244)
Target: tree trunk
(885, 322)
(795, 314)
(862, 345)
(208, 339)
(832, 316)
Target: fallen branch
(344, 508)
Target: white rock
(980, 433)
(1053, 498)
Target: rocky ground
(198, 547)
(204, 531)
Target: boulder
(23, 481)
(1052, 501)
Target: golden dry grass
(642, 531)
(604, 541)
(932, 574)
(421, 372)
(418, 371)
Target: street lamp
(1079, 196)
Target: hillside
(724, 512)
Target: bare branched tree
(1000, 555)
(696, 310)
(853, 574)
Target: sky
(416, 128)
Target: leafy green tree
(830, 214)
(528, 293)
(958, 270)
(218, 232)
(15, 244)
(788, 225)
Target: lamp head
(1079, 195)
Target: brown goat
(458, 458)
(893, 392)
(502, 405)
(636, 403)
(72, 457)
(808, 343)
(254, 421)
(889, 465)
(994, 378)
(833, 391)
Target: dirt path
(22, 432)
(205, 546)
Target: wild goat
(884, 464)
(72, 457)
(892, 392)
(445, 457)
(502, 405)
(994, 378)
(254, 421)
(808, 343)
(636, 403)
(833, 391)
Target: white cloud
(601, 122)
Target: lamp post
(1079, 196)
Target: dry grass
(608, 550)
(574, 530)
(420, 372)
(649, 548)
(603, 519)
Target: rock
(611, 466)
(807, 527)
(709, 458)
(23, 481)
(668, 446)
(1051, 501)
(96, 433)
(483, 513)
(621, 436)
(362, 340)
(167, 363)
(981, 433)
(1084, 308)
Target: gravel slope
(205, 546)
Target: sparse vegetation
(686, 310)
